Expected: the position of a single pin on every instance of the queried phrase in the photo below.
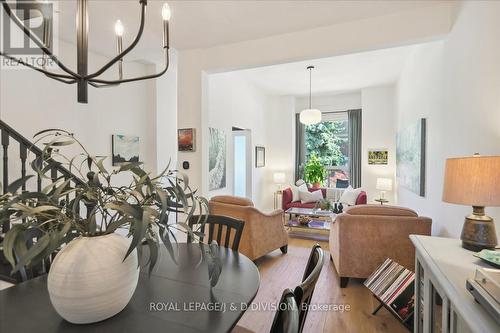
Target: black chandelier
(81, 77)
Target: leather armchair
(262, 233)
(364, 236)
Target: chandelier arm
(152, 76)
(127, 50)
(35, 39)
(61, 77)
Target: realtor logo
(38, 16)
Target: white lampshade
(384, 184)
(279, 177)
(310, 116)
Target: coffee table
(319, 224)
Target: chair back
(223, 229)
(286, 319)
(304, 291)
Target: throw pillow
(350, 196)
(308, 197)
(296, 190)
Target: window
(329, 141)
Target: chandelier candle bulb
(166, 14)
(81, 77)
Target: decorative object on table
(303, 220)
(125, 149)
(485, 287)
(474, 181)
(324, 204)
(383, 185)
(489, 256)
(186, 139)
(217, 159)
(314, 172)
(81, 77)
(185, 165)
(410, 157)
(260, 156)
(378, 156)
(279, 178)
(95, 274)
(340, 208)
(310, 116)
(336, 208)
(393, 286)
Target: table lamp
(279, 178)
(474, 181)
(383, 185)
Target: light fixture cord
(310, 88)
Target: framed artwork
(378, 156)
(216, 159)
(410, 157)
(260, 156)
(186, 139)
(125, 149)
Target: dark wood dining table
(176, 297)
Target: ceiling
(201, 24)
(332, 75)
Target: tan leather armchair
(262, 233)
(363, 236)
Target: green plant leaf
(140, 228)
(17, 184)
(36, 249)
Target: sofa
(262, 233)
(287, 203)
(364, 236)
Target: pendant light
(310, 116)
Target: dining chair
(220, 228)
(304, 291)
(286, 319)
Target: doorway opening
(242, 162)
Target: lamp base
(478, 232)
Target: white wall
(30, 102)
(234, 101)
(379, 131)
(455, 85)
(392, 30)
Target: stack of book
(393, 285)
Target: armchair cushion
(232, 200)
(383, 210)
(310, 197)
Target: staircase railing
(10, 138)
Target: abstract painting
(378, 156)
(125, 149)
(186, 139)
(216, 159)
(410, 157)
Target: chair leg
(343, 282)
(284, 249)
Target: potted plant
(314, 172)
(95, 272)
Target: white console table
(442, 302)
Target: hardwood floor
(280, 271)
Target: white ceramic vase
(89, 281)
